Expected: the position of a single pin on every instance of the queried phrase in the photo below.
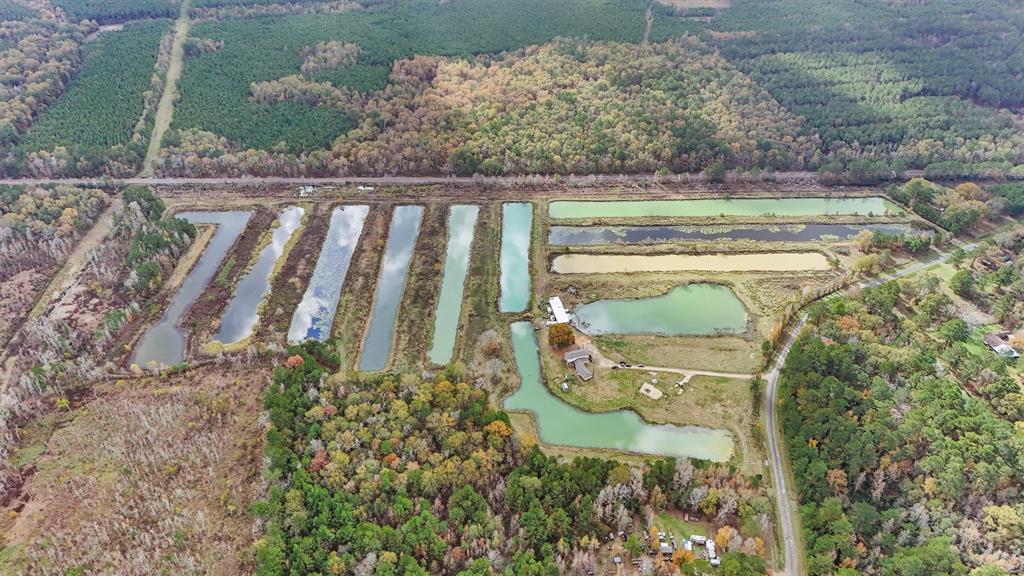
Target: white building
(558, 310)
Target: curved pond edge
(687, 441)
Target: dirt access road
(165, 109)
(695, 178)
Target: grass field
(105, 101)
(215, 87)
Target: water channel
(314, 316)
(164, 342)
(690, 309)
(594, 235)
(721, 207)
(461, 224)
(242, 313)
(516, 230)
(405, 225)
(561, 424)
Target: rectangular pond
(461, 225)
(242, 312)
(721, 207)
(692, 309)
(405, 225)
(314, 316)
(516, 231)
(631, 263)
(561, 424)
(596, 235)
(164, 342)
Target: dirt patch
(173, 464)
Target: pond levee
(242, 313)
(405, 224)
(164, 342)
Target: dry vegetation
(150, 477)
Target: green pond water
(405, 225)
(561, 424)
(461, 224)
(721, 206)
(685, 310)
(516, 226)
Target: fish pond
(164, 342)
(692, 309)
(314, 316)
(405, 225)
(595, 235)
(242, 313)
(721, 207)
(561, 424)
(634, 263)
(461, 224)
(516, 228)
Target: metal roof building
(558, 310)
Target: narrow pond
(164, 342)
(461, 224)
(560, 423)
(314, 316)
(405, 225)
(721, 206)
(242, 313)
(516, 230)
(633, 263)
(590, 235)
(691, 309)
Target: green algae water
(461, 224)
(405, 225)
(516, 227)
(721, 206)
(693, 309)
(561, 424)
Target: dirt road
(165, 109)
(374, 181)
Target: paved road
(914, 268)
(790, 546)
(408, 180)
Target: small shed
(650, 391)
(996, 342)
